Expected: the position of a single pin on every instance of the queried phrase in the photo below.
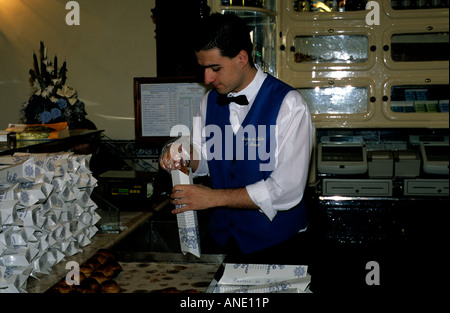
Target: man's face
(223, 73)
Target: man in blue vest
(254, 140)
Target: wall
(114, 42)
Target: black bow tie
(224, 100)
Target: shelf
(249, 10)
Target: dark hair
(226, 32)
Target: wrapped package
(187, 221)
(46, 213)
(19, 172)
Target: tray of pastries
(97, 275)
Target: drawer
(357, 187)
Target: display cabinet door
(417, 100)
(247, 4)
(418, 46)
(333, 103)
(415, 8)
(330, 49)
(324, 10)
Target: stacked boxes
(46, 213)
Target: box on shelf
(39, 131)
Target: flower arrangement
(51, 100)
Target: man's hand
(197, 197)
(175, 155)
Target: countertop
(129, 222)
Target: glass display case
(352, 72)
(418, 4)
(332, 102)
(416, 8)
(419, 100)
(261, 16)
(329, 48)
(336, 49)
(422, 45)
(416, 47)
(326, 9)
(336, 100)
(263, 4)
(328, 6)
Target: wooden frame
(142, 140)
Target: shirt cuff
(202, 169)
(260, 196)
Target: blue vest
(237, 163)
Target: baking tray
(161, 272)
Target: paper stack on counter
(187, 221)
(263, 278)
(46, 214)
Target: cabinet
(263, 20)
(385, 66)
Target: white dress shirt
(294, 141)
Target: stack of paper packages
(46, 214)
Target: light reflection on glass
(336, 100)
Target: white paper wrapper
(44, 217)
(22, 257)
(7, 209)
(42, 263)
(73, 164)
(32, 193)
(84, 161)
(251, 274)
(263, 278)
(187, 221)
(20, 172)
(13, 283)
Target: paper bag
(187, 221)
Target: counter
(129, 220)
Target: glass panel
(336, 100)
(418, 4)
(420, 47)
(263, 32)
(328, 6)
(331, 49)
(266, 4)
(411, 99)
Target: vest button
(232, 176)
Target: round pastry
(113, 265)
(62, 288)
(100, 258)
(91, 283)
(107, 271)
(105, 253)
(109, 286)
(93, 263)
(82, 289)
(86, 270)
(98, 276)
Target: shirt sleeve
(294, 142)
(199, 141)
